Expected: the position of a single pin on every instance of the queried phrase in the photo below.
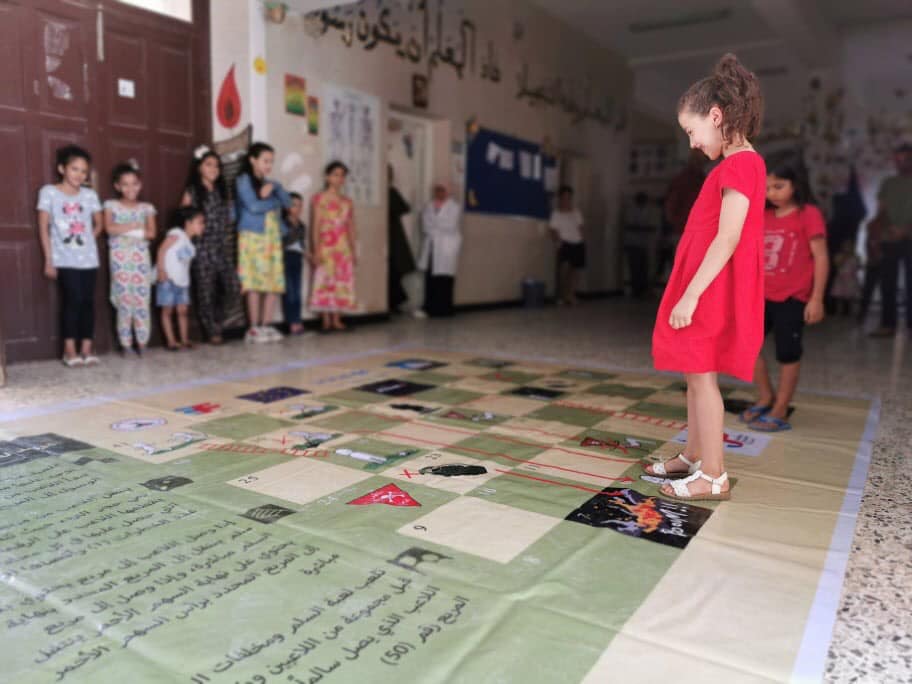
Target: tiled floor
(872, 641)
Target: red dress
(727, 329)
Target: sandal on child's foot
(187, 345)
(91, 360)
(754, 412)
(73, 361)
(173, 347)
(680, 488)
(767, 423)
(659, 469)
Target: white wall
(498, 252)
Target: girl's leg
(124, 323)
(788, 382)
(183, 323)
(87, 309)
(69, 323)
(327, 321)
(766, 394)
(253, 308)
(709, 416)
(337, 321)
(269, 303)
(141, 327)
(167, 326)
(692, 449)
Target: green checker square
(353, 398)
(615, 443)
(242, 426)
(503, 449)
(357, 421)
(519, 489)
(512, 376)
(628, 391)
(648, 408)
(393, 453)
(568, 415)
(448, 395)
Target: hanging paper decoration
(228, 105)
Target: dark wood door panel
(13, 89)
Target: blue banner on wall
(509, 176)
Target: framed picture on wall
(420, 91)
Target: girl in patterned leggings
(130, 225)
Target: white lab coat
(442, 231)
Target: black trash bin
(533, 293)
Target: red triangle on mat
(390, 495)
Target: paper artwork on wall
(295, 95)
(352, 120)
(313, 115)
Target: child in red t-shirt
(796, 267)
(710, 320)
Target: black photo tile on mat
(489, 363)
(166, 483)
(647, 517)
(395, 388)
(268, 396)
(537, 393)
(28, 448)
(267, 513)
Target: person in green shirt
(895, 200)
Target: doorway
(123, 82)
(409, 155)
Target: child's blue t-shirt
(70, 226)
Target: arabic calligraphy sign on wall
(436, 34)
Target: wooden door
(67, 72)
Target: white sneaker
(255, 336)
(272, 335)
(419, 314)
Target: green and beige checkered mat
(414, 517)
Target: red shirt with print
(787, 259)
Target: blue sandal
(754, 413)
(767, 423)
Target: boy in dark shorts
(566, 226)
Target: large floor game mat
(418, 516)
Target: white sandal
(682, 493)
(73, 361)
(658, 469)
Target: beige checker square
(568, 464)
(463, 370)
(288, 438)
(648, 428)
(223, 394)
(426, 435)
(669, 397)
(386, 408)
(457, 485)
(481, 528)
(292, 408)
(542, 431)
(301, 481)
(602, 402)
(504, 405)
(128, 429)
(482, 386)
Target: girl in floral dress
(333, 240)
(130, 225)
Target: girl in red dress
(710, 320)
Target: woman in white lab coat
(440, 226)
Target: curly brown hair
(734, 90)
